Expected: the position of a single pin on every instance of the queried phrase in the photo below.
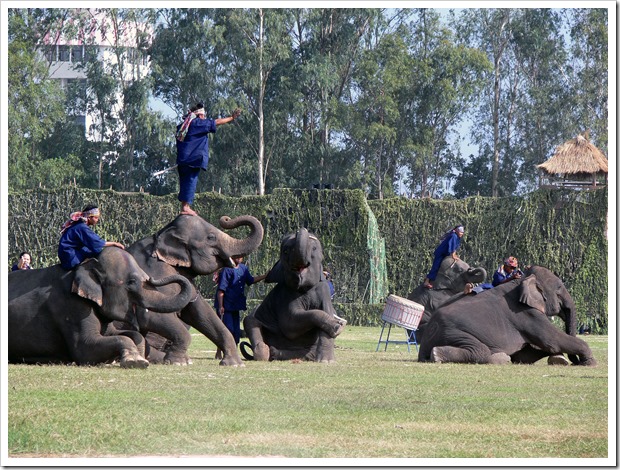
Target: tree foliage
(369, 98)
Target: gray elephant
(508, 323)
(452, 279)
(190, 246)
(59, 316)
(297, 319)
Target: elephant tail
(246, 350)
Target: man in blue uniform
(230, 295)
(193, 151)
(78, 241)
(507, 272)
(450, 242)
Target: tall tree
(35, 103)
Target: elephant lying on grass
(508, 323)
(58, 316)
(297, 319)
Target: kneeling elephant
(508, 323)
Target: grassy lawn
(367, 405)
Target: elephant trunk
(164, 303)
(570, 313)
(476, 275)
(235, 247)
(301, 257)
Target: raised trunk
(233, 247)
(154, 300)
(301, 248)
(570, 314)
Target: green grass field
(366, 405)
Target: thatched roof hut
(576, 162)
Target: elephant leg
(169, 326)
(87, 346)
(324, 349)
(555, 342)
(530, 355)
(201, 316)
(302, 321)
(466, 356)
(253, 330)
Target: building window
(64, 53)
(50, 53)
(77, 54)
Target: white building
(112, 42)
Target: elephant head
(117, 284)
(544, 291)
(193, 243)
(300, 265)
(454, 275)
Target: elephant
(59, 316)
(509, 323)
(453, 278)
(190, 246)
(296, 320)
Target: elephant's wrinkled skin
(508, 323)
(190, 246)
(297, 319)
(451, 280)
(58, 316)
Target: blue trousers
(232, 322)
(432, 275)
(188, 179)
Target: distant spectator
(328, 278)
(23, 262)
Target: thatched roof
(575, 156)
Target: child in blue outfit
(450, 242)
(192, 138)
(230, 296)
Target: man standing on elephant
(193, 151)
(450, 242)
(230, 296)
(78, 241)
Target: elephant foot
(557, 360)
(500, 358)
(261, 352)
(437, 356)
(133, 360)
(231, 362)
(339, 326)
(589, 362)
(177, 359)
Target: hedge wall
(372, 248)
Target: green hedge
(372, 248)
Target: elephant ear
(171, 248)
(86, 282)
(276, 274)
(530, 295)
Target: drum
(402, 312)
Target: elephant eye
(211, 237)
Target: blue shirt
(500, 275)
(448, 245)
(233, 282)
(193, 151)
(78, 243)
